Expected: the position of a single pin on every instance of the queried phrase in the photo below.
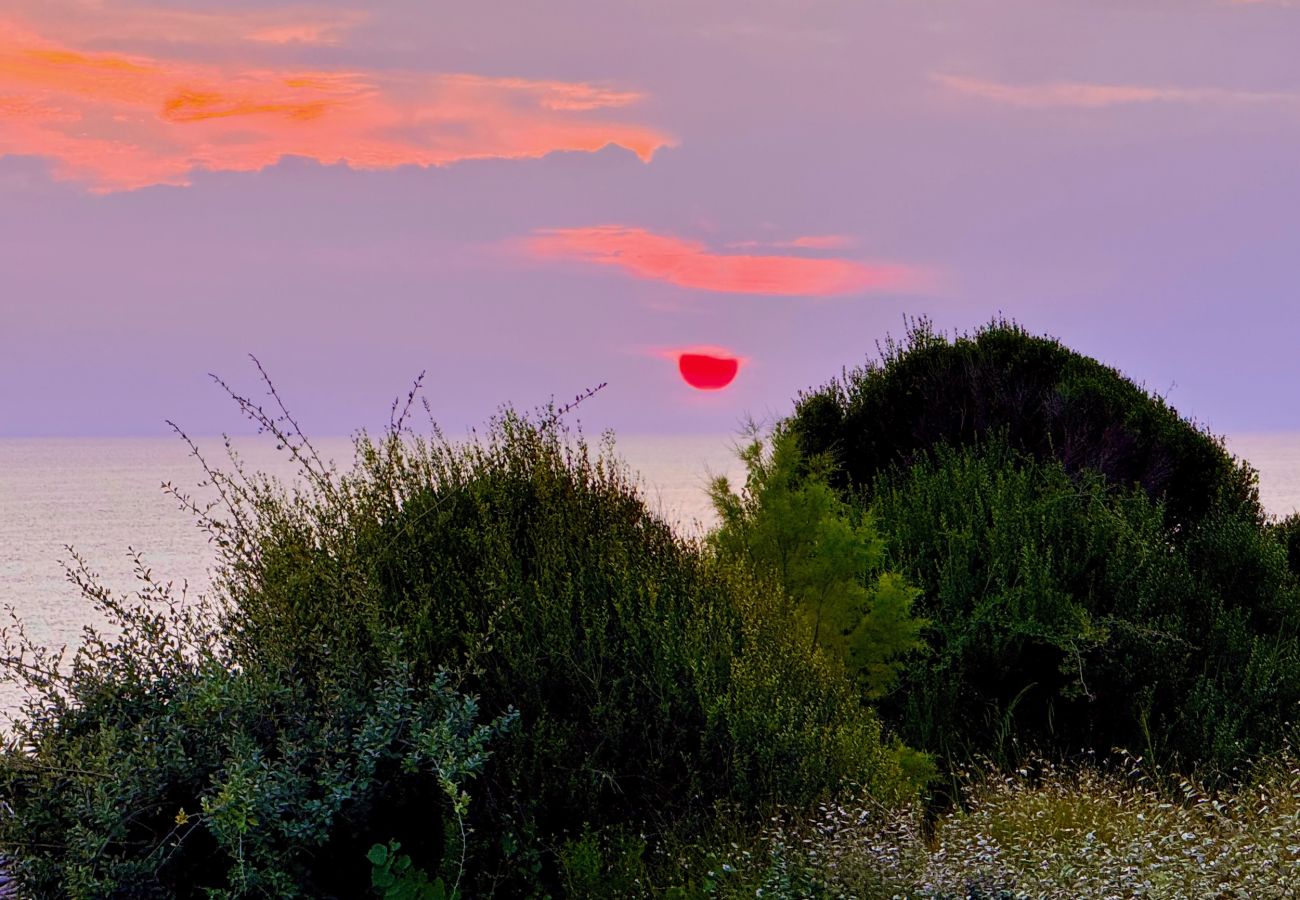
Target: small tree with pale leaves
(788, 524)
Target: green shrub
(155, 767)
(629, 682)
(651, 681)
(788, 525)
(1097, 570)
(1044, 399)
(1065, 616)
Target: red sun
(707, 372)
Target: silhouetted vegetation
(1096, 570)
(1045, 400)
(491, 653)
(477, 669)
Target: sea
(103, 498)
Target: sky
(525, 200)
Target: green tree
(789, 525)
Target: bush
(1066, 617)
(1044, 399)
(1097, 570)
(158, 768)
(651, 681)
(629, 684)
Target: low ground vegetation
(1085, 831)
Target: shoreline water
(103, 495)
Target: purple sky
(527, 199)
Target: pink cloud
(1053, 95)
(691, 264)
(122, 121)
(556, 95)
(318, 33)
(118, 23)
(820, 242)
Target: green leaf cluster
(788, 525)
(394, 877)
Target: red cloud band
(691, 264)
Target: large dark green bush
(1045, 399)
(635, 694)
(1097, 570)
(1065, 617)
(651, 681)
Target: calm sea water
(103, 496)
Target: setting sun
(708, 371)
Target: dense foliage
(651, 682)
(1097, 571)
(155, 767)
(1287, 533)
(789, 525)
(461, 670)
(1065, 616)
(490, 654)
(1045, 399)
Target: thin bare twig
(556, 414)
(396, 421)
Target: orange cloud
(1054, 95)
(556, 95)
(196, 106)
(119, 121)
(19, 108)
(692, 265)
